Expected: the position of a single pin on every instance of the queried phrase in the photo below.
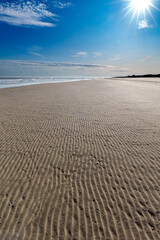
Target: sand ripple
(80, 161)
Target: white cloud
(81, 54)
(97, 54)
(144, 24)
(116, 58)
(59, 4)
(26, 14)
(36, 54)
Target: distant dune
(141, 76)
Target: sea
(10, 82)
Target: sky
(79, 37)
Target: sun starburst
(139, 8)
(140, 5)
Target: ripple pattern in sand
(73, 166)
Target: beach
(80, 161)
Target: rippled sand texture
(80, 161)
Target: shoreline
(42, 83)
(140, 80)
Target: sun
(139, 8)
(140, 5)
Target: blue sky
(78, 38)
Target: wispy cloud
(116, 58)
(34, 50)
(53, 65)
(149, 58)
(59, 4)
(26, 14)
(144, 24)
(36, 54)
(97, 54)
(81, 54)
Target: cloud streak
(149, 58)
(60, 65)
(97, 54)
(26, 14)
(81, 54)
(36, 54)
(116, 58)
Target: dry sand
(80, 161)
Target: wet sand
(80, 161)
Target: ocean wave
(9, 82)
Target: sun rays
(139, 8)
